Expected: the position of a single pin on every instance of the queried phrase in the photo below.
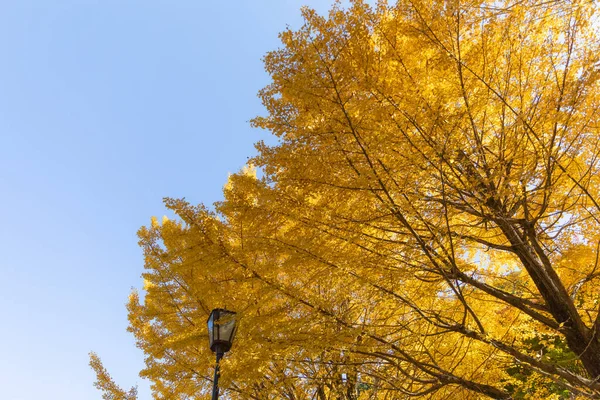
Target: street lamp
(221, 331)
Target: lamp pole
(215, 392)
(221, 331)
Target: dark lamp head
(221, 329)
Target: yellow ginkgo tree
(428, 224)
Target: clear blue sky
(106, 107)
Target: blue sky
(106, 107)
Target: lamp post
(221, 331)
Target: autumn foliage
(428, 224)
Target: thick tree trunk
(581, 340)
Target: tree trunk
(581, 340)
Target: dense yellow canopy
(428, 224)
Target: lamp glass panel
(211, 328)
(227, 328)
